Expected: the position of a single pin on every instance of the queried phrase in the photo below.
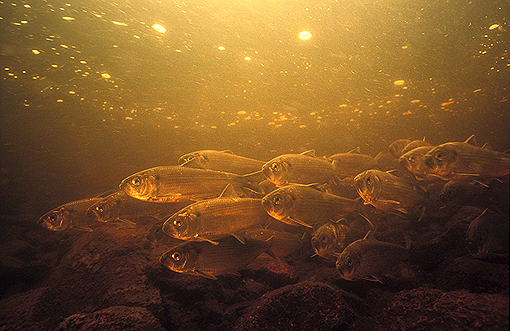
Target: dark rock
(303, 306)
(112, 319)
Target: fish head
(323, 240)
(277, 171)
(141, 185)
(348, 265)
(105, 210)
(453, 193)
(441, 159)
(398, 146)
(368, 185)
(182, 258)
(413, 160)
(278, 203)
(155, 233)
(183, 225)
(57, 219)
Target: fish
(217, 218)
(283, 243)
(493, 194)
(225, 161)
(119, 206)
(398, 146)
(305, 205)
(330, 239)
(302, 168)
(415, 144)
(203, 259)
(388, 192)
(369, 259)
(177, 183)
(342, 187)
(350, 164)
(70, 215)
(414, 162)
(386, 161)
(464, 161)
(487, 236)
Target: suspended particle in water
(159, 28)
(399, 82)
(493, 26)
(305, 35)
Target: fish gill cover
(95, 92)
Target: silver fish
(176, 183)
(331, 238)
(70, 215)
(302, 168)
(369, 259)
(464, 161)
(351, 164)
(414, 162)
(487, 236)
(388, 192)
(203, 259)
(217, 218)
(221, 161)
(304, 205)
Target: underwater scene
(254, 165)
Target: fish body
(369, 259)
(343, 187)
(70, 215)
(398, 146)
(206, 260)
(221, 161)
(488, 236)
(217, 218)
(283, 243)
(387, 192)
(386, 161)
(177, 183)
(331, 238)
(302, 168)
(414, 162)
(351, 164)
(415, 144)
(120, 206)
(464, 161)
(304, 205)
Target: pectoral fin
(82, 228)
(208, 240)
(374, 278)
(240, 238)
(300, 222)
(205, 274)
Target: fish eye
(322, 238)
(348, 262)
(99, 209)
(178, 223)
(277, 199)
(136, 181)
(52, 217)
(439, 156)
(176, 256)
(274, 166)
(411, 158)
(369, 181)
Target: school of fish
(218, 211)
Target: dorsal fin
(227, 151)
(487, 146)
(369, 235)
(229, 192)
(471, 140)
(357, 150)
(309, 153)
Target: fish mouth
(169, 229)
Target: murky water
(93, 91)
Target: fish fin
(471, 140)
(82, 228)
(366, 219)
(270, 252)
(228, 151)
(393, 172)
(357, 150)
(125, 221)
(107, 193)
(470, 175)
(240, 238)
(235, 273)
(483, 184)
(408, 241)
(205, 274)
(369, 235)
(229, 192)
(374, 278)
(193, 163)
(310, 152)
(389, 201)
(208, 240)
(487, 146)
(300, 222)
